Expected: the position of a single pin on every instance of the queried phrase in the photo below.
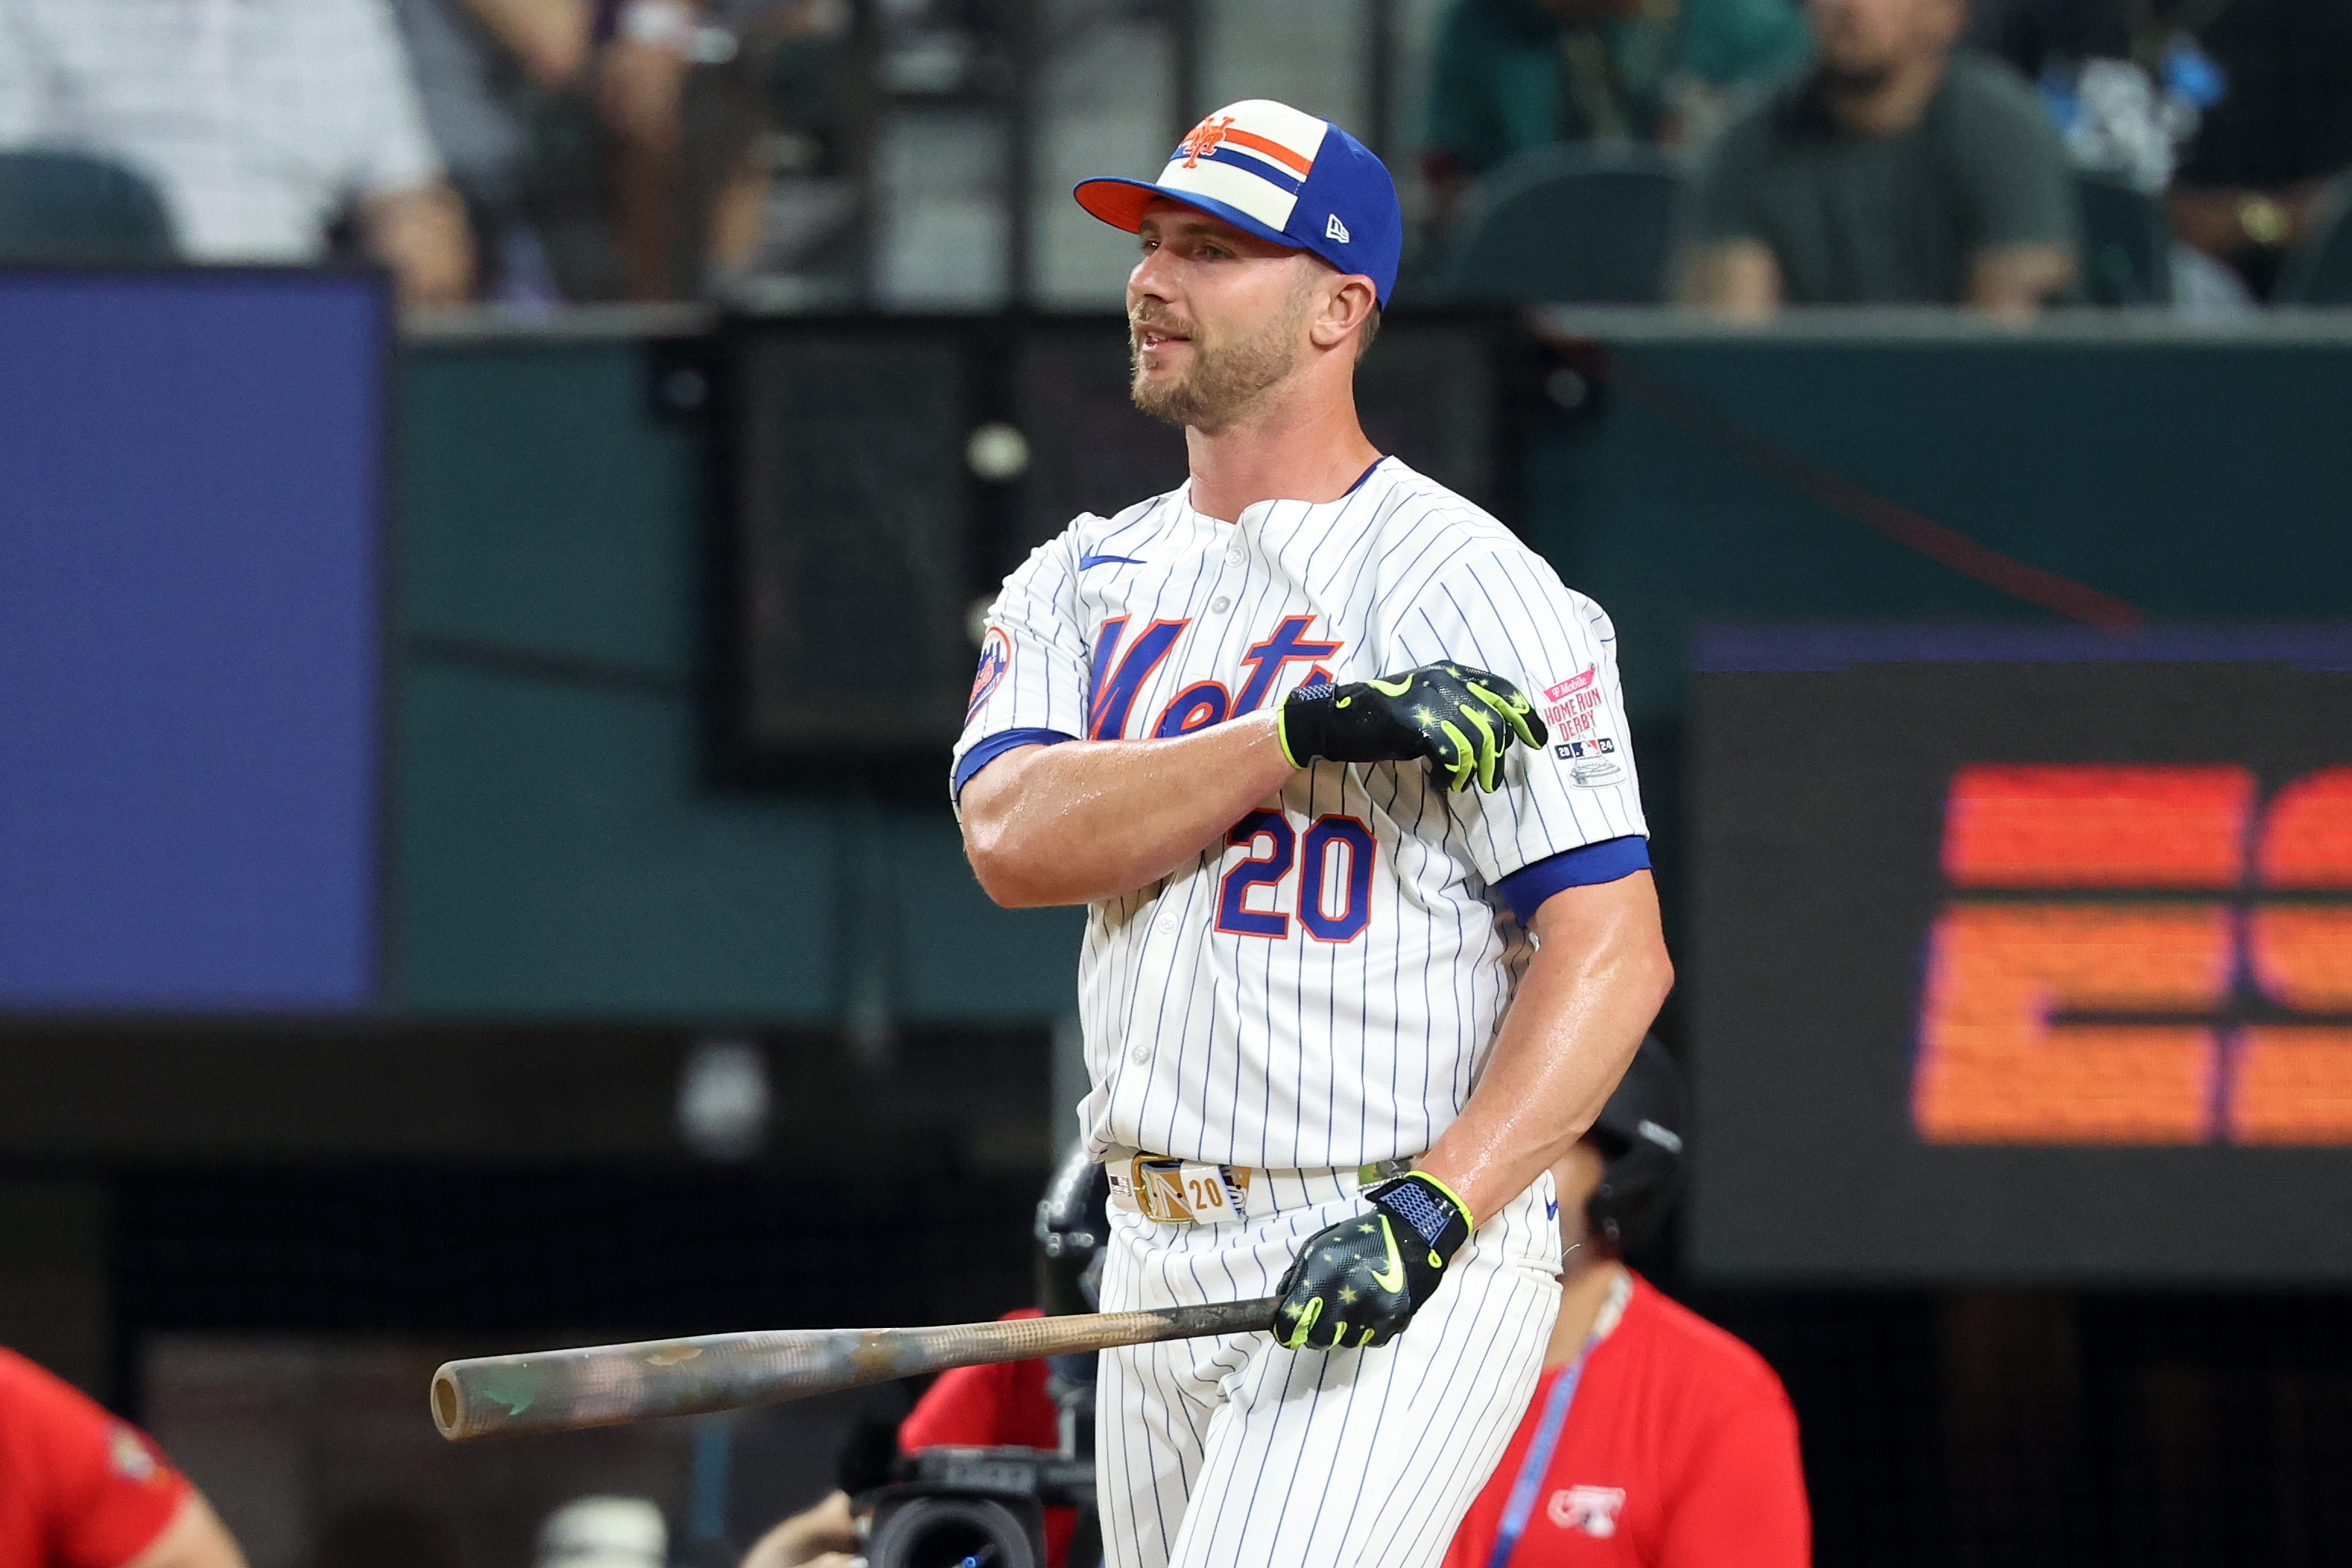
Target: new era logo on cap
(1281, 174)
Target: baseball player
(1341, 772)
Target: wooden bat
(605, 1386)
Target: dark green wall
(2202, 481)
(559, 853)
(557, 850)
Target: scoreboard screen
(2024, 956)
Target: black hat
(1640, 1131)
(1072, 1229)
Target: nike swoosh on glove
(1359, 1282)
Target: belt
(1175, 1191)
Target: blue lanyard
(1521, 1505)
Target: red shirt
(1002, 1404)
(1680, 1451)
(77, 1488)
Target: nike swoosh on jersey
(1087, 561)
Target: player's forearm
(1092, 819)
(1589, 995)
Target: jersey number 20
(1273, 849)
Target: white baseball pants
(1236, 1453)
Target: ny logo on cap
(1334, 230)
(1202, 139)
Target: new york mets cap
(1281, 174)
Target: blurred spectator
(1893, 172)
(785, 196)
(693, 173)
(260, 121)
(1728, 48)
(479, 66)
(82, 1489)
(548, 38)
(640, 93)
(2249, 185)
(1514, 74)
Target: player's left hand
(1359, 1282)
(1459, 718)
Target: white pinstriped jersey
(1321, 988)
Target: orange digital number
(2307, 834)
(2097, 827)
(2292, 1083)
(1993, 1068)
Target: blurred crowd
(521, 150)
(1737, 154)
(2004, 155)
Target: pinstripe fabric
(1234, 1450)
(1293, 1050)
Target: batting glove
(1359, 1282)
(1458, 717)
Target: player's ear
(1344, 301)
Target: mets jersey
(1319, 987)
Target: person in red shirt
(1015, 1403)
(82, 1489)
(1655, 1438)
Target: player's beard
(1226, 379)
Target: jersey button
(1143, 1052)
(1220, 605)
(1232, 557)
(1168, 923)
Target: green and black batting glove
(1359, 1282)
(1458, 717)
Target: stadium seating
(1577, 223)
(2319, 272)
(2126, 243)
(71, 207)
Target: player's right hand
(1459, 718)
(1359, 1282)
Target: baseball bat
(605, 1386)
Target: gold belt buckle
(1187, 1192)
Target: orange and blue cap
(1279, 173)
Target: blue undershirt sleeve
(1610, 860)
(984, 751)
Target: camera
(985, 1507)
(974, 1508)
